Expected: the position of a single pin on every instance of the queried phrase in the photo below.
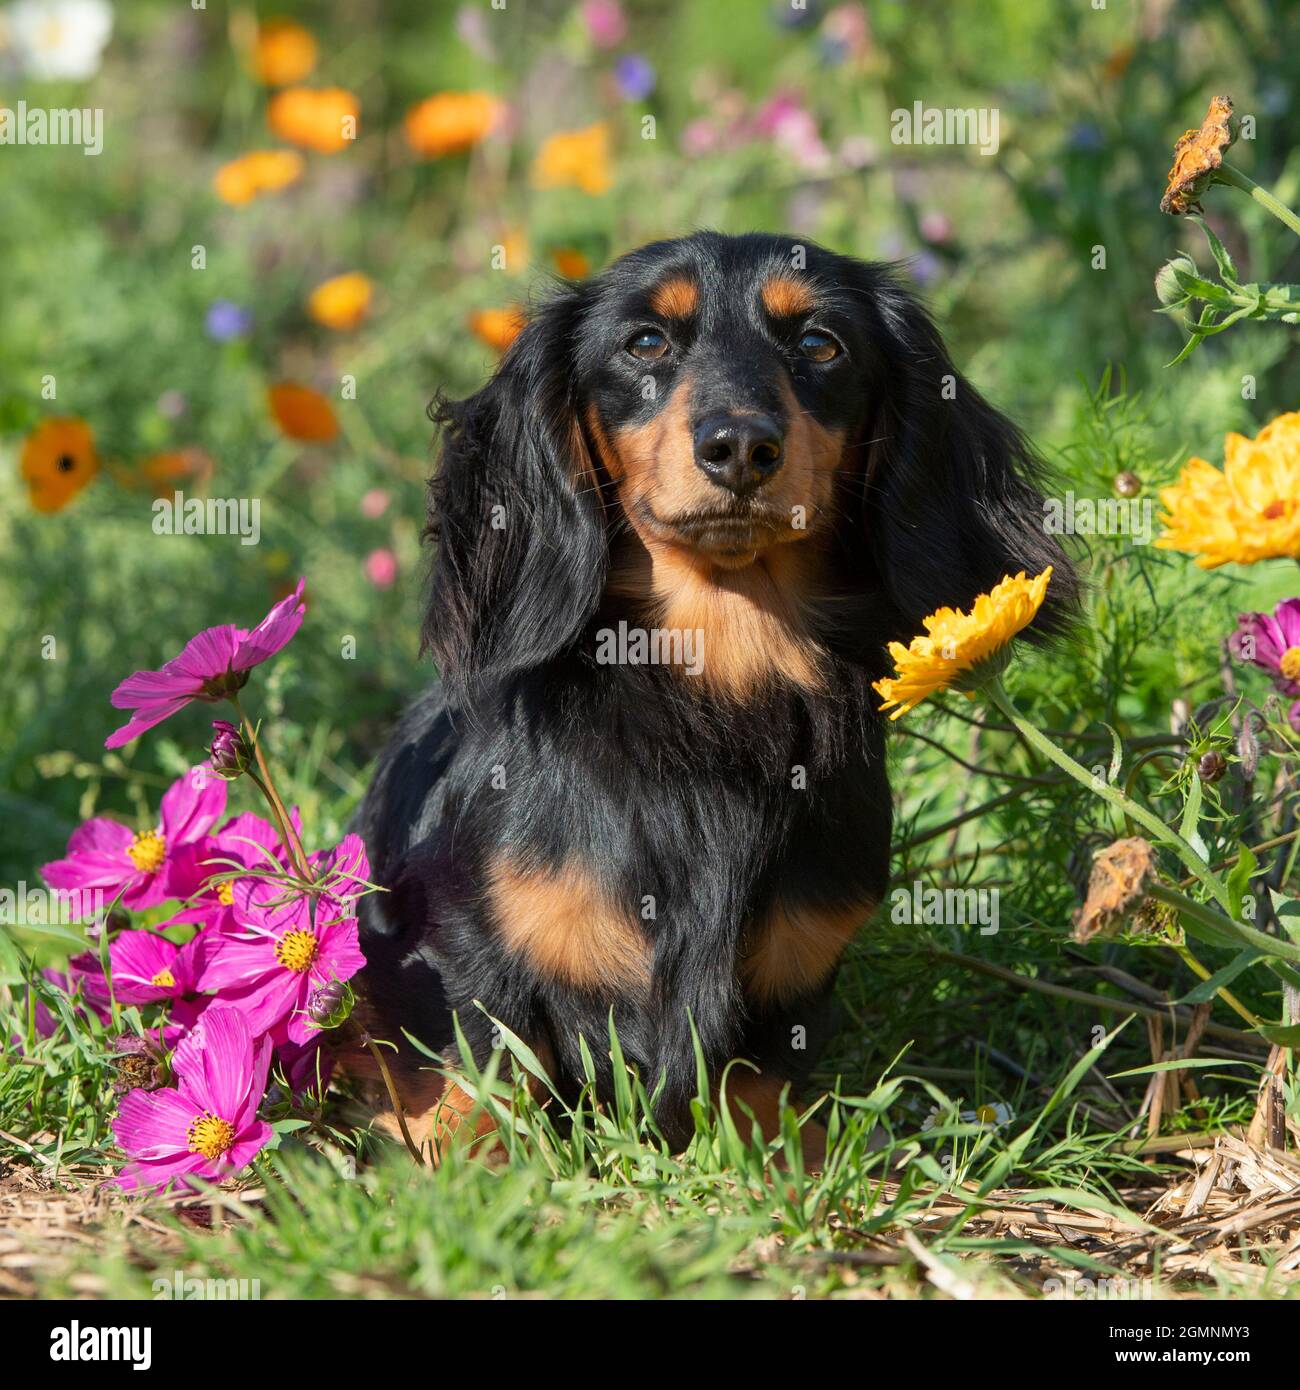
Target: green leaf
(1238, 880)
(1227, 270)
(1283, 1034)
(1191, 814)
(1207, 290)
(1207, 989)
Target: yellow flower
(1250, 511)
(57, 461)
(284, 52)
(451, 122)
(956, 642)
(322, 119)
(262, 171)
(302, 413)
(342, 302)
(498, 328)
(576, 159)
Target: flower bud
(230, 754)
(1128, 484)
(330, 1005)
(1211, 766)
(1168, 291)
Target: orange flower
(1197, 155)
(571, 263)
(285, 52)
(498, 328)
(451, 122)
(57, 461)
(161, 472)
(262, 171)
(342, 302)
(323, 119)
(575, 159)
(302, 413)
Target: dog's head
(727, 408)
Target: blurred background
(154, 294)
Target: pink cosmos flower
(306, 1067)
(279, 951)
(206, 1126)
(149, 867)
(212, 665)
(1272, 642)
(381, 568)
(147, 967)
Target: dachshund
(674, 534)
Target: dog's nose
(738, 452)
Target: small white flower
(58, 39)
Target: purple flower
(212, 665)
(207, 1125)
(226, 321)
(635, 77)
(1271, 642)
(151, 866)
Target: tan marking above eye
(785, 297)
(675, 298)
(569, 927)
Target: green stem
(284, 823)
(1109, 794)
(1227, 926)
(1234, 177)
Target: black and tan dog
(674, 534)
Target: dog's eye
(648, 345)
(820, 347)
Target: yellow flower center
(210, 1136)
(296, 950)
(226, 893)
(147, 851)
(986, 1114)
(1290, 663)
(164, 979)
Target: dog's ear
(516, 513)
(952, 496)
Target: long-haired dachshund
(674, 534)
